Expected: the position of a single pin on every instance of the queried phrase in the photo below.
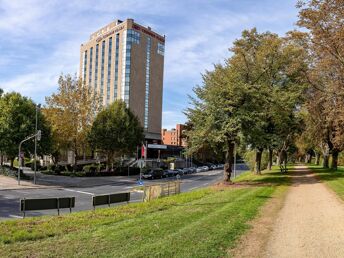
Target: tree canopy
(251, 99)
(71, 112)
(17, 121)
(115, 131)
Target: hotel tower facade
(125, 60)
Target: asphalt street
(84, 190)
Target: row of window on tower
(129, 38)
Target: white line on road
(71, 190)
(15, 216)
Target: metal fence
(107, 199)
(47, 204)
(152, 192)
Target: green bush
(90, 168)
(32, 165)
(28, 164)
(250, 159)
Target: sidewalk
(10, 183)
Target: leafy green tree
(274, 66)
(115, 131)
(323, 40)
(71, 112)
(221, 107)
(17, 121)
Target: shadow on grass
(327, 174)
(274, 178)
(212, 204)
(295, 176)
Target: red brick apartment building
(174, 136)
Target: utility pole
(35, 165)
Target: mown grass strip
(203, 223)
(334, 179)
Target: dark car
(168, 173)
(186, 171)
(153, 173)
(179, 172)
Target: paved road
(83, 189)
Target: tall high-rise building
(125, 60)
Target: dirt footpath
(311, 222)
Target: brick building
(174, 136)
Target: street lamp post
(35, 165)
(38, 134)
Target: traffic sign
(39, 135)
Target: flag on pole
(143, 151)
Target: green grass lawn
(332, 178)
(202, 223)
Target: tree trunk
(325, 161)
(270, 159)
(310, 158)
(228, 162)
(84, 152)
(278, 159)
(317, 158)
(12, 161)
(108, 161)
(334, 163)
(258, 161)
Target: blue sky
(40, 39)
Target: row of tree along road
(283, 95)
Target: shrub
(28, 164)
(32, 165)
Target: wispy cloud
(40, 39)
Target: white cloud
(42, 39)
(171, 118)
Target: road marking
(15, 216)
(6, 197)
(71, 190)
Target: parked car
(205, 168)
(199, 169)
(166, 173)
(186, 171)
(193, 169)
(153, 173)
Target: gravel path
(311, 222)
